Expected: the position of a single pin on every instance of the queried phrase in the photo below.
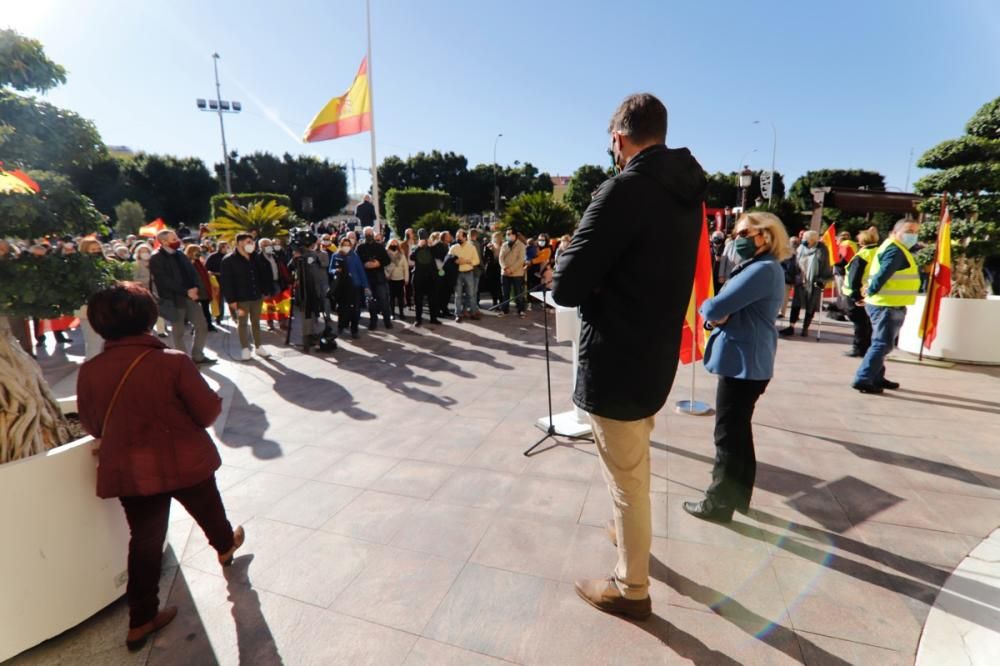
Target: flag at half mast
(351, 113)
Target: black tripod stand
(551, 430)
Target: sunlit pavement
(391, 517)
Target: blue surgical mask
(909, 240)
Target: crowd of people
(333, 273)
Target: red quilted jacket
(155, 439)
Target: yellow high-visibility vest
(902, 287)
(866, 253)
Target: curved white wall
(968, 330)
(64, 551)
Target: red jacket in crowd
(156, 439)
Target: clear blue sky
(847, 84)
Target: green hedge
(246, 198)
(404, 207)
(437, 220)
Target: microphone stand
(551, 431)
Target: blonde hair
(87, 243)
(868, 236)
(774, 232)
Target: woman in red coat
(150, 406)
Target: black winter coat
(629, 268)
(245, 279)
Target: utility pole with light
(220, 106)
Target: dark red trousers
(147, 518)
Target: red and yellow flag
(277, 307)
(150, 230)
(17, 182)
(830, 240)
(351, 113)
(940, 282)
(694, 337)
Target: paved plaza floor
(391, 517)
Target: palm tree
(263, 219)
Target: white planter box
(64, 550)
(967, 330)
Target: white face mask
(144, 257)
(268, 250)
(248, 248)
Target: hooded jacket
(629, 268)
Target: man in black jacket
(375, 258)
(244, 283)
(365, 212)
(177, 284)
(629, 269)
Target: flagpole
(371, 111)
(930, 282)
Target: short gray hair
(896, 228)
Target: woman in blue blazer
(741, 351)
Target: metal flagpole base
(693, 408)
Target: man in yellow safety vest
(858, 270)
(893, 283)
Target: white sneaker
(245, 354)
(262, 352)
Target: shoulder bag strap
(121, 383)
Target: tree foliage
(801, 194)
(24, 65)
(266, 219)
(582, 185)
(57, 210)
(970, 178)
(129, 216)
(471, 190)
(43, 136)
(437, 220)
(316, 188)
(724, 190)
(405, 207)
(537, 212)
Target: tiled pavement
(392, 519)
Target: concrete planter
(64, 551)
(967, 330)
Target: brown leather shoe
(239, 536)
(604, 595)
(137, 636)
(609, 529)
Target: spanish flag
(694, 337)
(940, 282)
(830, 240)
(348, 114)
(17, 182)
(150, 230)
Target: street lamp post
(774, 152)
(220, 106)
(496, 186)
(746, 177)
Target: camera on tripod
(301, 238)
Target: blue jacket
(744, 347)
(354, 268)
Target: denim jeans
(466, 283)
(886, 323)
(512, 287)
(379, 304)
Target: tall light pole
(774, 152)
(220, 106)
(496, 186)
